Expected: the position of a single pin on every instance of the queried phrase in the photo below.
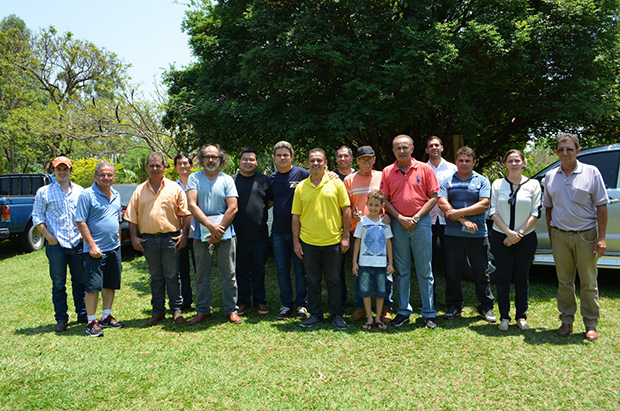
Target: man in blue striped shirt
(54, 215)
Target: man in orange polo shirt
(158, 208)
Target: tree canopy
(326, 72)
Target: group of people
(390, 220)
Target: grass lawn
(265, 364)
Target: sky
(144, 33)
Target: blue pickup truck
(17, 192)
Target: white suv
(607, 160)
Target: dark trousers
(184, 272)
(512, 264)
(438, 230)
(458, 249)
(251, 259)
(319, 262)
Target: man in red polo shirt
(410, 189)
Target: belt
(572, 231)
(161, 235)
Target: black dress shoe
(61, 327)
(452, 313)
(399, 320)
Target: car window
(607, 163)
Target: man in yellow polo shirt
(321, 228)
(158, 208)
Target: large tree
(326, 72)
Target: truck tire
(31, 239)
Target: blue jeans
(59, 258)
(226, 254)
(251, 259)
(282, 245)
(372, 276)
(404, 244)
(163, 263)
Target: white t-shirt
(373, 237)
(445, 169)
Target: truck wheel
(31, 239)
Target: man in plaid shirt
(54, 215)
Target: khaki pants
(574, 252)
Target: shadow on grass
(535, 336)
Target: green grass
(265, 364)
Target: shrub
(84, 171)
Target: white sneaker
(523, 324)
(503, 326)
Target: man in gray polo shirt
(576, 212)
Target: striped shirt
(57, 211)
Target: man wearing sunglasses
(576, 211)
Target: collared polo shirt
(320, 210)
(157, 212)
(358, 187)
(463, 193)
(102, 215)
(445, 169)
(57, 210)
(409, 191)
(574, 198)
(211, 194)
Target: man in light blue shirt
(98, 219)
(53, 214)
(212, 200)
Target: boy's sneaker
(110, 322)
(302, 313)
(312, 321)
(93, 329)
(285, 312)
(339, 323)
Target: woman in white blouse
(515, 208)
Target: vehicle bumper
(606, 261)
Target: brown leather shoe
(565, 330)
(386, 314)
(358, 315)
(591, 334)
(155, 319)
(178, 318)
(243, 309)
(234, 318)
(200, 318)
(262, 309)
(61, 327)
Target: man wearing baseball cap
(358, 185)
(54, 214)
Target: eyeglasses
(212, 157)
(566, 150)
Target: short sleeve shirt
(211, 194)
(157, 212)
(373, 236)
(281, 190)
(251, 220)
(464, 193)
(409, 191)
(320, 210)
(102, 215)
(358, 187)
(574, 198)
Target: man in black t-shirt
(252, 234)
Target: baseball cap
(365, 151)
(62, 160)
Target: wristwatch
(416, 218)
(521, 231)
